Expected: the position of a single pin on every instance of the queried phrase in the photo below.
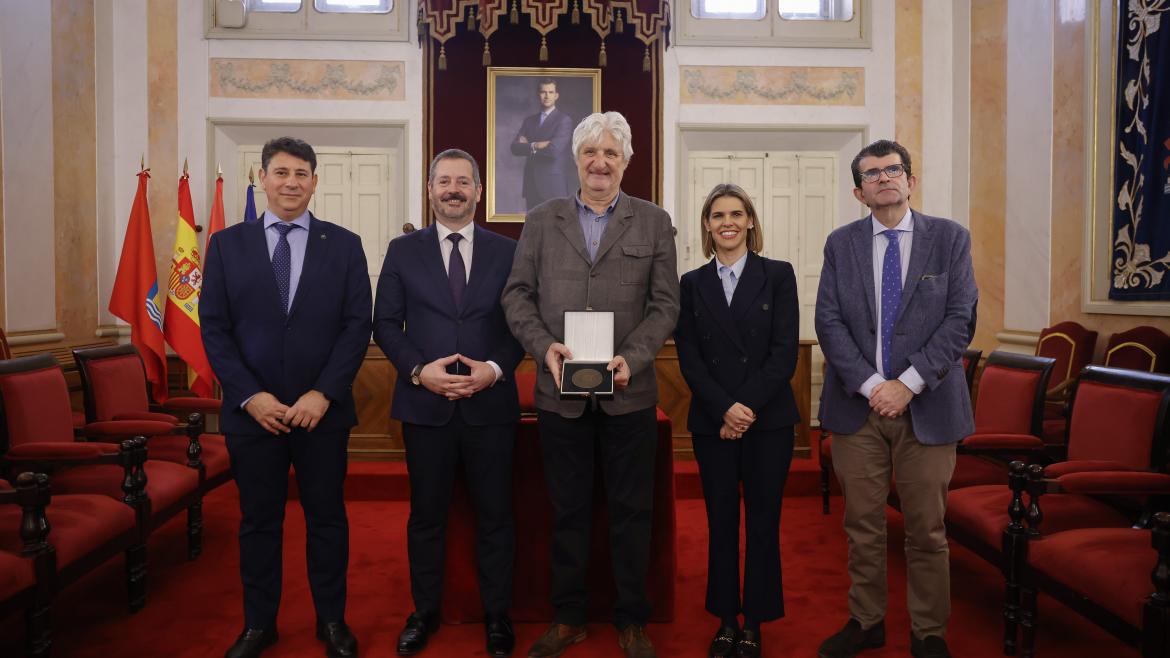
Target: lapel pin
(322, 236)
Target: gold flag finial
(184, 166)
(141, 161)
(218, 170)
(251, 176)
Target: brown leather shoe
(555, 640)
(637, 645)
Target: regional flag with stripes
(135, 297)
(186, 281)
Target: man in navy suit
(439, 321)
(285, 314)
(544, 141)
(895, 310)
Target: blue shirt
(729, 275)
(298, 239)
(592, 224)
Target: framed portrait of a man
(531, 115)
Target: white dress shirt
(905, 228)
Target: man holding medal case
(605, 252)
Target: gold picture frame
(514, 107)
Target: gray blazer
(634, 276)
(936, 322)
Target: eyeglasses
(892, 171)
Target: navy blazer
(548, 173)
(744, 353)
(254, 347)
(935, 323)
(416, 321)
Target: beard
(439, 206)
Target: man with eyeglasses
(895, 310)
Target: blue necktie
(282, 262)
(456, 270)
(891, 295)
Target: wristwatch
(414, 375)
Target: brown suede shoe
(555, 640)
(637, 645)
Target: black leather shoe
(413, 637)
(931, 646)
(852, 639)
(501, 639)
(339, 640)
(749, 644)
(723, 644)
(251, 643)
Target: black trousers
(432, 456)
(260, 465)
(625, 445)
(760, 460)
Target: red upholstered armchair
(38, 422)
(1072, 347)
(101, 507)
(54, 549)
(1140, 348)
(116, 397)
(1117, 577)
(1116, 461)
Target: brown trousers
(864, 462)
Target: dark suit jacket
(253, 347)
(548, 173)
(745, 353)
(936, 321)
(634, 276)
(416, 321)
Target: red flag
(186, 281)
(135, 298)
(216, 222)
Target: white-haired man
(600, 250)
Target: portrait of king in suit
(531, 116)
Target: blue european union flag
(250, 206)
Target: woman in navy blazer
(737, 340)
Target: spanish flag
(135, 298)
(182, 318)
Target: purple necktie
(282, 262)
(456, 270)
(891, 295)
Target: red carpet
(194, 608)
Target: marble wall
(26, 55)
(988, 178)
(74, 166)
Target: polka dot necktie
(891, 295)
(456, 270)
(282, 262)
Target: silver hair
(454, 154)
(591, 128)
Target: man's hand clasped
(890, 398)
(435, 378)
(278, 418)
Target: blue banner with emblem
(1141, 184)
